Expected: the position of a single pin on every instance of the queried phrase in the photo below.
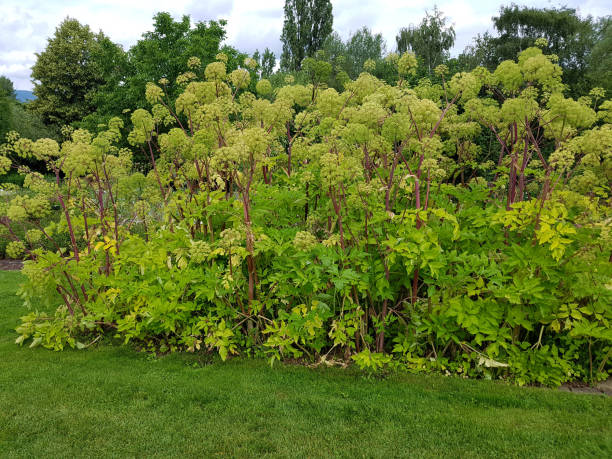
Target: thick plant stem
(250, 246)
(338, 211)
(380, 341)
(154, 164)
(289, 140)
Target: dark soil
(604, 387)
(10, 265)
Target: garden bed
(10, 265)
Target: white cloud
(252, 24)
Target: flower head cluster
(369, 65)
(240, 78)
(263, 87)
(250, 63)
(222, 57)
(304, 241)
(22, 208)
(231, 237)
(33, 236)
(5, 165)
(194, 63)
(199, 251)
(153, 93)
(143, 127)
(407, 64)
(185, 78)
(215, 71)
(15, 249)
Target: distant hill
(24, 96)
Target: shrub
(326, 226)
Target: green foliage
(75, 63)
(268, 63)
(599, 72)
(29, 124)
(359, 225)
(6, 88)
(306, 26)
(5, 115)
(351, 56)
(163, 52)
(50, 332)
(160, 57)
(15, 116)
(7, 100)
(562, 33)
(431, 40)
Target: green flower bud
(240, 78)
(5, 165)
(194, 63)
(153, 93)
(199, 251)
(215, 71)
(407, 64)
(15, 249)
(33, 236)
(304, 241)
(263, 87)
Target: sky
(25, 25)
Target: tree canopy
(67, 74)
(568, 36)
(6, 88)
(307, 24)
(431, 40)
(351, 55)
(599, 71)
(162, 52)
(159, 55)
(268, 62)
(14, 116)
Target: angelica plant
(461, 225)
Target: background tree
(6, 88)
(29, 125)
(600, 60)
(307, 25)
(160, 53)
(431, 40)
(334, 48)
(68, 72)
(14, 116)
(268, 62)
(361, 46)
(164, 51)
(569, 36)
(7, 98)
(348, 57)
(479, 52)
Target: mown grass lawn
(113, 401)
